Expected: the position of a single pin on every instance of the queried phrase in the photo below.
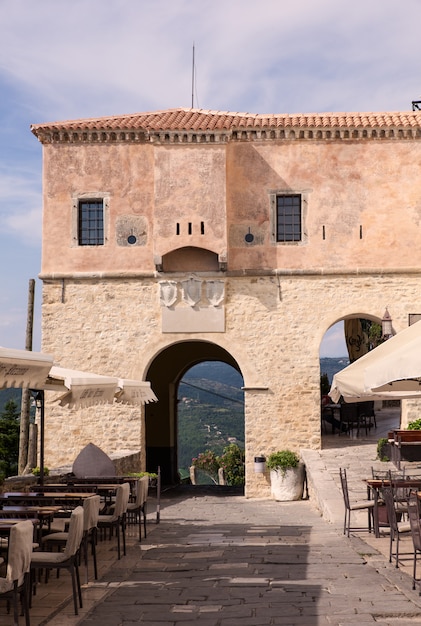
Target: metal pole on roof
(192, 80)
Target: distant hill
(10, 394)
(210, 410)
(332, 365)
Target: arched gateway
(164, 373)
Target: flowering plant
(208, 463)
(231, 461)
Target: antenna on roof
(416, 105)
(192, 80)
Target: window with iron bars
(91, 223)
(288, 218)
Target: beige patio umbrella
(390, 371)
(35, 370)
(23, 368)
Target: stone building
(179, 236)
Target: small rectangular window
(91, 223)
(288, 218)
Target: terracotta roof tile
(202, 120)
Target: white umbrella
(81, 389)
(390, 371)
(35, 370)
(23, 368)
(134, 392)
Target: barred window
(288, 218)
(91, 223)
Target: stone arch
(190, 259)
(164, 372)
(347, 316)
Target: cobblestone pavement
(228, 561)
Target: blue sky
(69, 59)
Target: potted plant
(286, 475)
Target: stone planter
(287, 485)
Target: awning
(134, 392)
(390, 371)
(81, 389)
(23, 368)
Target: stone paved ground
(225, 560)
(228, 561)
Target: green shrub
(37, 471)
(232, 462)
(142, 474)
(415, 425)
(382, 445)
(282, 460)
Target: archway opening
(337, 350)
(210, 414)
(161, 418)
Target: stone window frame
(273, 195)
(91, 195)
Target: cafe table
(44, 515)
(374, 487)
(66, 500)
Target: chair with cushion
(91, 508)
(117, 519)
(16, 582)
(137, 509)
(68, 558)
(358, 505)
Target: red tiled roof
(203, 120)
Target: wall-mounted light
(260, 464)
(387, 330)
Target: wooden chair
(68, 559)
(117, 519)
(16, 582)
(355, 506)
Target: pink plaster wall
(366, 194)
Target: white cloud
(333, 343)
(93, 58)
(20, 206)
(62, 59)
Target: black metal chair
(415, 523)
(137, 509)
(358, 505)
(396, 528)
(117, 519)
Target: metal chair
(415, 524)
(91, 508)
(68, 559)
(137, 509)
(16, 582)
(359, 505)
(396, 528)
(117, 519)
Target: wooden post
(26, 397)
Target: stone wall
(274, 327)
